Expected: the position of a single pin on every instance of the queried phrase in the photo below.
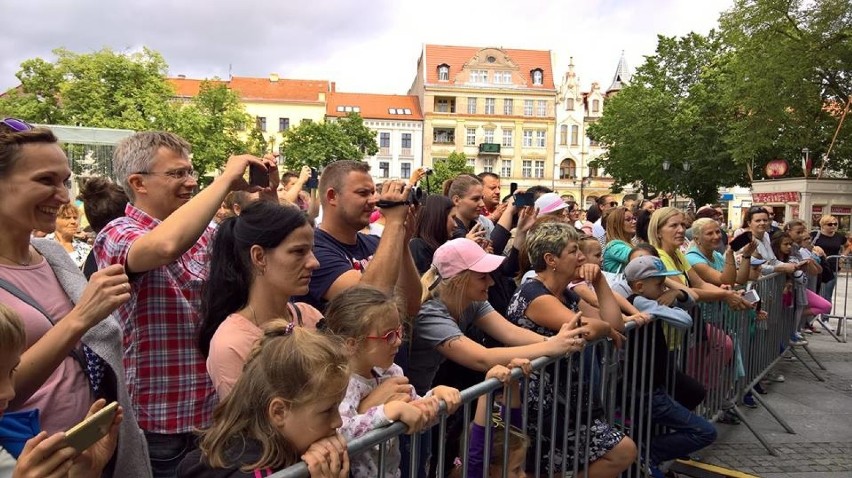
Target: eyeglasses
(832, 224)
(16, 125)
(391, 336)
(177, 174)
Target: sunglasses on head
(16, 125)
(613, 204)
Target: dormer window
(443, 72)
(537, 77)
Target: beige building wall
(294, 112)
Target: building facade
(398, 124)
(496, 105)
(275, 103)
(576, 110)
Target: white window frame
(528, 107)
(508, 106)
(540, 138)
(541, 108)
(506, 168)
(508, 138)
(538, 169)
(443, 73)
(471, 105)
(526, 168)
(470, 137)
(489, 136)
(490, 106)
(528, 138)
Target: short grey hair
(136, 153)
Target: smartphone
(313, 181)
(512, 188)
(89, 431)
(751, 296)
(524, 199)
(258, 176)
(741, 241)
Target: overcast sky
(365, 46)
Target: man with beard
(348, 257)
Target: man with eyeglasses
(605, 203)
(162, 241)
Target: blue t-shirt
(694, 256)
(336, 258)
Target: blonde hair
(352, 313)
(449, 291)
(291, 363)
(658, 219)
(698, 226)
(587, 242)
(13, 336)
(614, 225)
(67, 209)
(826, 219)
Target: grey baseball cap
(644, 267)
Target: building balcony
(489, 148)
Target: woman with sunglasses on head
(831, 243)
(74, 350)
(258, 261)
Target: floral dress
(595, 433)
(79, 253)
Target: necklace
(20, 263)
(254, 315)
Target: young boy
(688, 432)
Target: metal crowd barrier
(839, 298)
(727, 352)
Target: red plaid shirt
(166, 374)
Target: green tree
(105, 89)
(672, 111)
(790, 75)
(317, 144)
(213, 122)
(444, 169)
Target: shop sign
(841, 210)
(782, 197)
(816, 209)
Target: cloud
(369, 46)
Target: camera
(428, 171)
(415, 195)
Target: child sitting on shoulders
(370, 325)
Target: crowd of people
(242, 328)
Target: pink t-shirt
(233, 341)
(64, 398)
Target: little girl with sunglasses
(369, 322)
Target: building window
(563, 135)
(540, 138)
(508, 138)
(528, 138)
(384, 140)
(489, 136)
(283, 124)
(384, 169)
(575, 135)
(443, 73)
(508, 106)
(406, 140)
(405, 170)
(444, 136)
(471, 163)
(307, 121)
(596, 106)
(471, 106)
(507, 77)
(593, 172)
(537, 77)
(538, 172)
(488, 165)
(490, 104)
(479, 76)
(470, 137)
(526, 169)
(542, 108)
(567, 169)
(506, 168)
(260, 122)
(528, 107)
(445, 105)
(569, 104)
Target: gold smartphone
(84, 434)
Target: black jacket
(194, 467)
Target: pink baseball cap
(459, 255)
(548, 203)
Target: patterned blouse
(80, 252)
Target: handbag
(16, 428)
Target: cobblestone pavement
(819, 412)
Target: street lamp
(686, 167)
(583, 183)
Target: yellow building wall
(272, 111)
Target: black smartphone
(512, 188)
(524, 199)
(258, 176)
(313, 181)
(741, 241)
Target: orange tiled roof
(372, 106)
(456, 56)
(262, 89)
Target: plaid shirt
(166, 374)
